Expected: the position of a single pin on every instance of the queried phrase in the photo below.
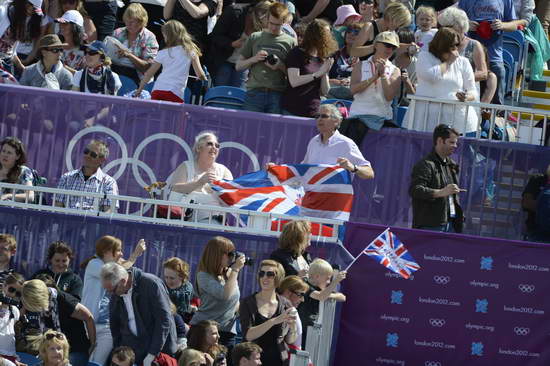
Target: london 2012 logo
(486, 263)
(438, 323)
(477, 349)
(433, 363)
(482, 305)
(526, 288)
(442, 280)
(392, 340)
(396, 297)
(522, 331)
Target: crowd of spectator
(288, 55)
(120, 315)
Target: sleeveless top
(468, 52)
(375, 32)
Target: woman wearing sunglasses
(340, 73)
(216, 285)
(97, 77)
(48, 72)
(192, 178)
(267, 318)
(9, 315)
(54, 349)
(294, 289)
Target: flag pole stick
(360, 254)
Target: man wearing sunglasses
(89, 178)
(48, 72)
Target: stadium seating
(127, 85)
(225, 97)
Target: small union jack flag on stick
(390, 252)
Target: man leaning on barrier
(434, 186)
(89, 178)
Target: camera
(247, 260)
(272, 59)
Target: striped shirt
(99, 182)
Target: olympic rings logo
(432, 363)
(527, 289)
(437, 322)
(442, 280)
(521, 331)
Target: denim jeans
(103, 15)
(226, 75)
(263, 101)
(104, 344)
(498, 69)
(78, 358)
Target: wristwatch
(354, 169)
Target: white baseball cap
(37, 5)
(71, 16)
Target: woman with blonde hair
(193, 357)
(54, 349)
(216, 285)
(176, 278)
(96, 77)
(176, 59)
(308, 66)
(396, 15)
(267, 318)
(293, 243)
(204, 336)
(107, 249)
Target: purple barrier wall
(150, 139)
(35, 231)
(474, 302)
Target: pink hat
(37, 5)
(344, 12)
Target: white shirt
(299, 331)
(372, 100)
(433, 84)
(175, 70)
(423, 39)
(337, 146)
(7, 331)
(130, 310)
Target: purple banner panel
(474, 302)
(149, 139)
(35, 231)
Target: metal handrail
(262, 220)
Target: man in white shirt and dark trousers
(140, 315)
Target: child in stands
(123, 356)
(176, 59)
(426, 23)
(322, 281)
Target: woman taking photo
(443, 74)
(13, 156)
(59, 258)
(107, 249)
(204, 336)
(54, 349)
(293, 242)
(267, 318)
(140, 41)
(216, 285)
(307, 70)
(193, 177)
(176, 278)
(375, 82)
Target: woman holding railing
(13, 156)
(444, 75)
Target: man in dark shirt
(434, 186)
(529, 200)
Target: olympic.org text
(518, 352)
(476, 283)
(389, 361)
(395, 275)
(528, 267)
(490, 328)
(394, 318)
(438, 301)
(523, 309)
(434, 344)
(442, 258)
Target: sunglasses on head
(13, 290)
(91, 153)
(54, 50)
(269, 274)
(53, 335)
(213, 144)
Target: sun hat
(71, 16)
(344, 12)
(387, 37)
(50, 40)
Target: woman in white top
(176, 59)
(193, 177)
(443, 74)
(375, 82)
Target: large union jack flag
(328, 191)
(390, 252)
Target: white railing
(524, 126)
(320, 334)
(146, 210)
